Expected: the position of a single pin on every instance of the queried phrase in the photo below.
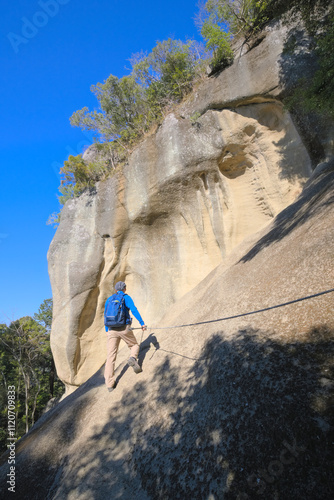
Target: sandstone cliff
(207, 221)
(232, 410)
(217, 170)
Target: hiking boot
(134, 363)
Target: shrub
(79, 175)
(317, 94)
(123, 111)
(217, 41)
(168, 72)
(129, 106)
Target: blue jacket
(131, 306)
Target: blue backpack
(116, 313)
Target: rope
(245, 314)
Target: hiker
(117, 322)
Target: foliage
(44, 314)
(123, 111)
(245, 17)
(26, 363)
(78, 175)
(315, 93)
(238, 16)
(308, 10)
(218, 41)
(54, 219)
(128, 107)
(221, 20)
(319, 93)
(233, 17)
(131, 105)
(167, 73)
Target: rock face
(218, 169)
(230, 410)
(218, 214)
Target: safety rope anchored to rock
(244, 314)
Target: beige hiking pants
(113, 339)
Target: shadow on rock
(38, 467)
(252, 418)
(256, 419)
(316, 196)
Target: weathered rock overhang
(217, 170)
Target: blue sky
(52, 51)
